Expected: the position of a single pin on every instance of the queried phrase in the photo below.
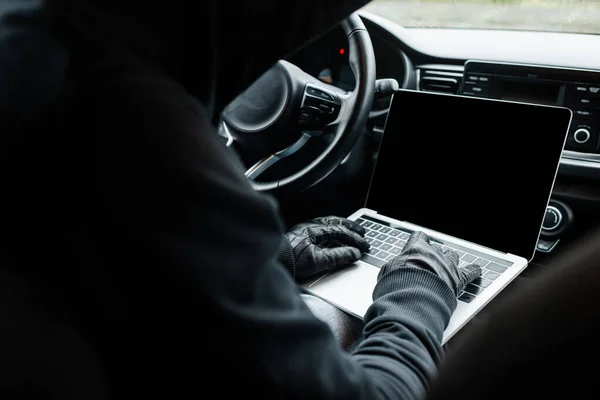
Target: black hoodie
(124, 206)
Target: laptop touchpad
(350, 289)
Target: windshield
(577, 16)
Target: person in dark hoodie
(144, 251)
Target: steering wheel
(286, 102)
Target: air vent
(439, 81)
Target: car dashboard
(535, 67)
(327, 60)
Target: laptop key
(360, 221)
(369, 240)
(372, 234)
(383, 255)
(366, 224)
(376, 244)
(474, 290)
(381, 237)
(391, 240)
(373, 251)
(468, 258)
(395, 250)
(482, 282)
(460, 253)
(466, 297)
(385, 247)
(491, 275)
(393, 233)
(385, 229)
(496, 268)
(376, 227)
(404, 236)
(481, 262)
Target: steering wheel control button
(581, 135)
(326, 108)
(311, 116)
(318, 107)
(310, 90)
(553, 219)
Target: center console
(576, 89)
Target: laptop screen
(477, 169)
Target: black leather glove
(322, 244)
(419, 252)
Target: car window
(576, 16)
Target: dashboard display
(327, 60)
(537, 93)
(326, 76)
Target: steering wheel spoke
(264, 164)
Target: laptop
(474, 174)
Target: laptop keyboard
(387, 242)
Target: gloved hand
(321, 244)
(418, 252)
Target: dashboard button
(581, 135)
(546, 246)
(477, 78)
(584, 90)
(481, 90)
(585, 113)
(585, 101)
(553, 219)
(478, 90)
(578, 140)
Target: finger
(419, 238)
(452, 256)
(470, 272)
(333, 220)
(345, 236)
(336, 256)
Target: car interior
(309, 129)
(322, 164)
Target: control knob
(581, 135)
(553, 219)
